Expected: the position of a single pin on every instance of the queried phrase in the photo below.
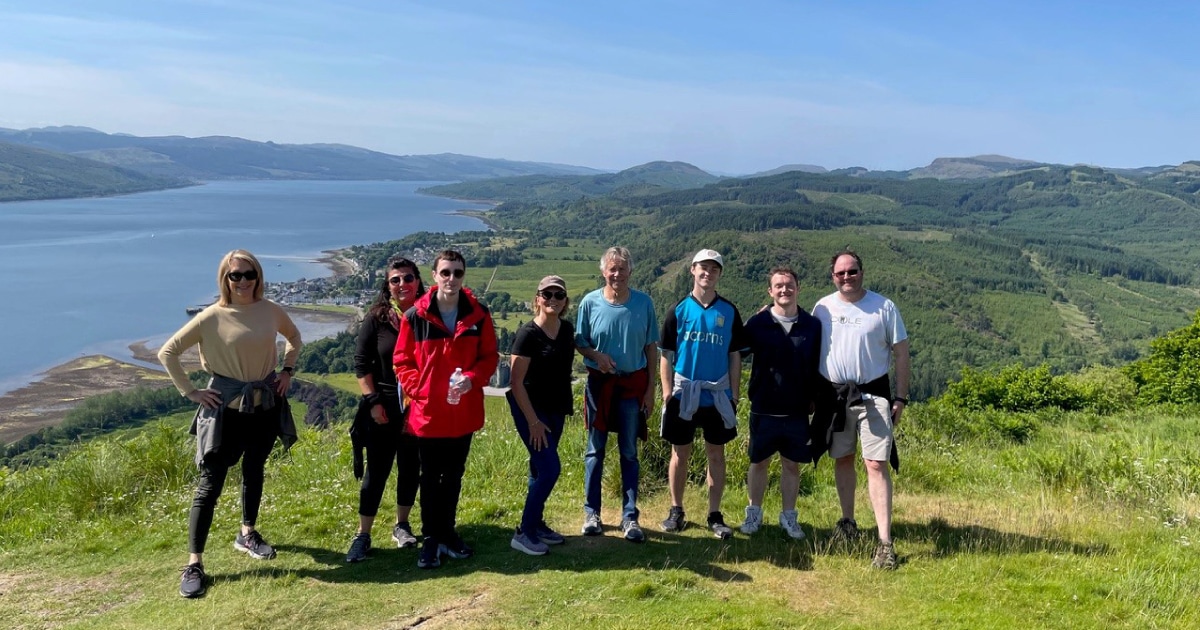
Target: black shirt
(373, 353)
(548, 379)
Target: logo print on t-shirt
(720, 320)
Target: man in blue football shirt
(700, 371)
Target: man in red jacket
(447, 329)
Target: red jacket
(425, 358)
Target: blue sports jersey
(702, 339)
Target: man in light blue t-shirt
(616, 331)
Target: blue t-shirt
(622, 331)
(702, 339)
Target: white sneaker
(787, 520)
(753, 519)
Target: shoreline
(50, 395)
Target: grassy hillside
(27, 174)
(1073, 521)
(647, 179)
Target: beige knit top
(237, 341)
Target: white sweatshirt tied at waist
(688, 392)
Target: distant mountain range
(223, 157)
(27, 173)
(646, 179)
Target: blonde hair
(223, 282)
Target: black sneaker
(403, 536)
(359, 548)
(549, 536)
(254, 545)
(674, 521)
(632, 531)
(885, 557)
(846, 530)
(192, 583)
(430, 557)
(716, 523)
(457, 548)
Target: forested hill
(646, 179)
(223, 157)
(27, 173)
(1065, 265)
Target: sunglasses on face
(553, 295)
(457, 273)
(237, 276)
(850, 273)
(406, 278)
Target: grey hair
(618, 252)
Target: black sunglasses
(406, 278)
(458, 273)
(237, 276)
(547, 294)
(848, 272)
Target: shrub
(1171, 373)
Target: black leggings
(245, 436)
(443, 462)
(388, 443)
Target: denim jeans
(544, 466)
(627, 414)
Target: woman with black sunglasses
(540, 400)
(379, 424)
(242, 410)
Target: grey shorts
(869, 423)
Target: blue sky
(732, 87)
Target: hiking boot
(592, 525)
(716, 523)
(674, 521)
(885, 557)
(254, 545)
(525, 544)
(549, 536)
(753, 519)
(192, 583)
(846, 530)
(787, 520)
(456, 547)
(632, 531)
(402, 535)
(359, 547)
(430, 557)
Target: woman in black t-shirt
(541, 400)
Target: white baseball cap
(709, 254)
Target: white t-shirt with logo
(857, 337)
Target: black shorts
(679, 432)
(786, 435)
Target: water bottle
(453, 395)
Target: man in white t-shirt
(863, 335)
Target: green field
(1090, 522)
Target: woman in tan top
(239, 415)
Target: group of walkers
(423, 358)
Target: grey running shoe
(632, 531)
(592, 525)
(431, 553)
(456, 548)
(716, 523)
(846, 530)
(523, 543)
(254, 545)
(787, 520)
(403, 536)
(885, 557)
(359, 547)
(674, 521)
(192, 583)
(549, 536)
(753, 519)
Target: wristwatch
(900, 399)
(288, 369)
